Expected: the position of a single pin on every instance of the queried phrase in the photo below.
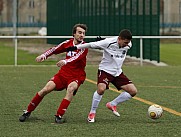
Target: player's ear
(119, 38)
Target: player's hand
(72, 48)
(40, 58)
(61, 63)
(99, 38)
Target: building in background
(31, 16)
(170, 17)
(28, 11)
(33, 13)
(172, 11)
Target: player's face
(123, 42)
(79, 35)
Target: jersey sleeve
(99, 44)
(95, 45)
(56, 50)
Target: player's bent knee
(46, 90)
(70, 89)
(42, 93)
(133, 92)
(100, 91)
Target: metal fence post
(15, 30)
(141, 51)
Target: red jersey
(76, 60)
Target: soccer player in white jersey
(114, 54)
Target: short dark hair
(125, 34)
(83, 26)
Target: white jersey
(113, 55)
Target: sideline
(160, 86)
(141, 100)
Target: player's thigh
(130, 88)
(103, 79)
(121, 81)
(72, 86)
(49, 87)
(60, 82)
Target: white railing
(44, 37)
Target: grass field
(24, 57)
(170, 54)
(159, 85)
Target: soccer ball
(155, 111)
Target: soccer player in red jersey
(70, 76)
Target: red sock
(63, 107)
(34, 102)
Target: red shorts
(62, 82)
(106, 78)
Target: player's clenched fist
(61, 63)
(40, 58)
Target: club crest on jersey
(124, 52)
(120, 56)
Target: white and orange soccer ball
(155, 111)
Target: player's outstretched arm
(80, 46)
(40, 58)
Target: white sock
(95, 102)
(124, 96)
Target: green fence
(107, 18)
